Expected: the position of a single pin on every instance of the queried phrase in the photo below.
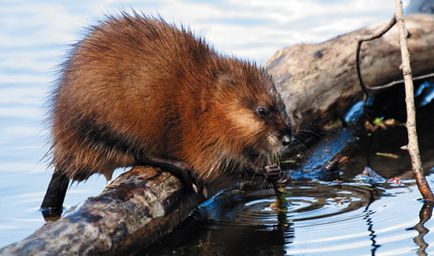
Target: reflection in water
(286, 229)
(212, 239)
(370, 223)
(424, 216)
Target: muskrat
(138, 90)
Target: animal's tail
(52, 205)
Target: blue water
(35, 36)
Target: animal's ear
(224, 80)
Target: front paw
(274, 174)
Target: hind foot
(182, 171)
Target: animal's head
(252, 113)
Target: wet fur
(138, 86)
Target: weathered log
(137, 208)
(318, 83)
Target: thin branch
(365, 38)
(398, 82)
(413, 147)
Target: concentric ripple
(324, 218)
(311, 203)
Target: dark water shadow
(197, 238)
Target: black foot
(182, 171)
(52, 205)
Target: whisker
(300, 147)
(319, 136)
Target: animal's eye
(262, 111)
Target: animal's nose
(286, 140)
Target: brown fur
(137, 86)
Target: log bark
(318, 83)
(135, 209)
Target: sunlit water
(323, 217)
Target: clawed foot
(274, 174)
(187, 176)
(183, 172)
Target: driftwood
(318, 83)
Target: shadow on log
(318, 83)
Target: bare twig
(365, 38)
(394, 83)
(413, 147)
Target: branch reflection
(424, 216)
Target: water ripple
(343, 219)
(311, 205)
